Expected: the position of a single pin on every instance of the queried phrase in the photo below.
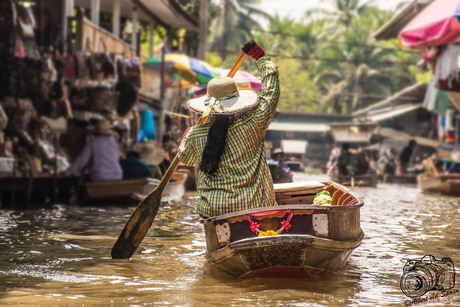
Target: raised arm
(269, 95)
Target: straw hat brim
(150, 153)
(247, 99)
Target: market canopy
(437, 24)
(399, 135)
(298, 126)
(354, 132)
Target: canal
(61, 256)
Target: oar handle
(175, 163)
(237, 65)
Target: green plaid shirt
(243, 179)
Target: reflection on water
(61, 256)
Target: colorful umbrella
(437, 24)
(188, 68)
(244, 80)
(175, 80)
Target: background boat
(445, 184)
(129, 191)
(174, 190)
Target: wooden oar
(142, 218)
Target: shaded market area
(181, 153)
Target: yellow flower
(267, 233)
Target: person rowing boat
(229, 149)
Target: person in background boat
(152, 154)
(100, 154)
(333, 159)
(278, 156)
(229, 149)
(404, 157)
(133, 167)
(430, 165)
(386, 162)
(344, 160)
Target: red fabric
(186, 132)
(435, 25)
(256, 52)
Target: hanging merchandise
(130, 69)
(447, 72)
(19, 47)
(49, 72)
(25, 21)
(102, 63)
(147, 128)
(69, 64)
(3, 118)
(84, 71)
(435, 99)
(449, 119)
(127, 97)
(103, 101)
(27, 29)
(94, 96)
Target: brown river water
(60, 256)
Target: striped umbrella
(186, 67)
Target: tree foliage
(329, 62)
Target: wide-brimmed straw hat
(151, 153)
(224, 98)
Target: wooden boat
(362, 180)
(121, 192)
(312, 240)
(174, 190)
(296, 166)
(278, 174)
(387, 178)
(445, 184)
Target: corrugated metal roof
(298, 127)
(411, 94)
(399, 135)
(387, 113)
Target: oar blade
(137, 226)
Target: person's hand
(252, 49)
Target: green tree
(234, 25)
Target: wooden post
(203, 29)
(68, 6)
(162, 96)
(151, 34)
(95, 11)
(135, 15)
(79, 32)
(116, 18)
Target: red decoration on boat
(285, 224)
(254, 226)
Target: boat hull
(444, 184)
(287, 256)
(318, 241)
